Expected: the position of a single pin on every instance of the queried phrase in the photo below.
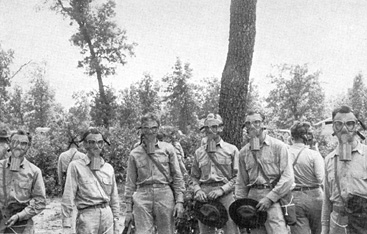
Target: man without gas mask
(22, 190)
(309, 172)
(91, 185)
(261, 162)
(208, 181)
(152, 170)
(344, 207)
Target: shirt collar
(87, 161)
(22, 164)
(267, 139)
(357, 149)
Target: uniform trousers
(95, 221)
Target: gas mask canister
(18, 150)
(149, 135)
(254, 129)
(95, 149)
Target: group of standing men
(330, 195)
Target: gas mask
(94, 148)
(149, 135)
(254, 130)
(346, 137)
(150, 141)
(18, 150)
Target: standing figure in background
(22, 190)
(309, 172)
(62, 166)
(4, 143)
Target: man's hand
(200, 196)
(264, 204)
(129, 218)
(215, 194)
(13, 219)
(178, 210)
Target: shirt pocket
(204, 166)
(143, 169)
(226, 164)
(25, 186)
(107, 184)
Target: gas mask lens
(350, 125)
(98, 143)
(255, 123)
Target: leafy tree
(148, 94)
(40, 100)
(253, 98)
(179, 98)
(129, 109)
(358, 98)
(297, 95)
(103, 110)
(79, 114)
(17, 107)
(208, 94)
(235, 77)
(102, 43)
(6, 59)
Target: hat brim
(216, 223)
(253, 222)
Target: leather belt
(102, 205)
(261, 186)
(305, 188)
(152, 185)
(213, 184)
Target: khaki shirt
(309, 170)
(352, 176)
(65, 159)
(204, 170)
(274, 159)
(142, 171)
(83, 188)
(23, 187)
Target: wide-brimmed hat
(211, 213)
(244, 213)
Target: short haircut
(252, 112)
(299, 129)
(150, 116)
(22, 133)
(342, 109)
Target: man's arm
(287, 178)
(130, 187)
(241, 188)
(326, 205)
(68, 198)
(319, 167)
(195, 174)
(228, 187)
(178, 182)
(38, 202)
(114, 199)
(59, 170)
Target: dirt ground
(49, 221)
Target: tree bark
(235, 77)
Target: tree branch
(21, 67)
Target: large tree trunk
(235, 77)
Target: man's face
(212, 129)
(19, 145)
(150, 129)
(94, 143)
(345, 125)
(254, 125)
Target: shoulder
(200, 150)
(34, 168)
(108, 166)
(229, 146)
(330, 157)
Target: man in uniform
(309, 172)
(344, 207)
(213, 172)
(62, 165)
(22, 190)
(151, 172)
(262, 161)
(91, 185)
(4, 143)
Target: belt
(102, 205)
(213, 184)
(152, 185)
(261, 186)
(305, 188)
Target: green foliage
(6, 59)
(102, 110)
(148, 94)
(207, 95)
(358, 98)
(297, 95)
(179, 98)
